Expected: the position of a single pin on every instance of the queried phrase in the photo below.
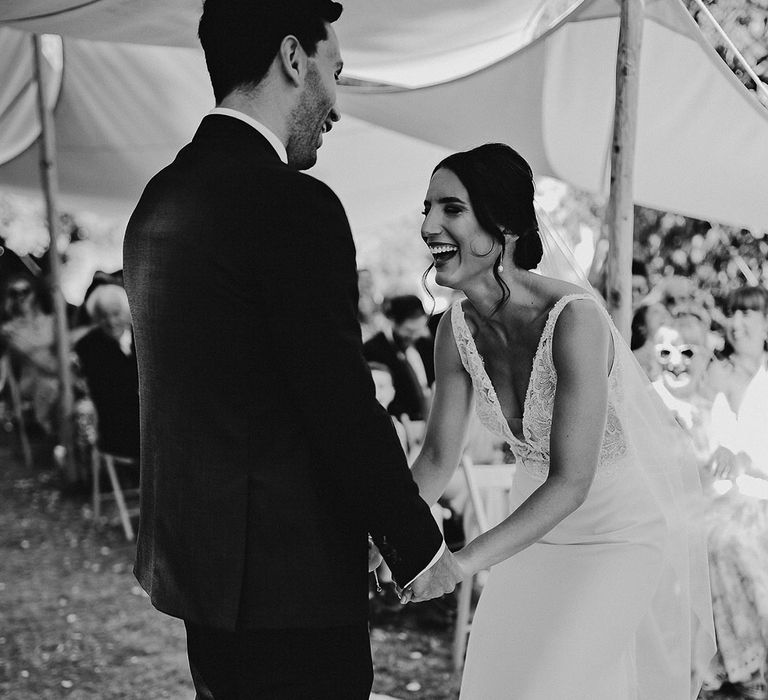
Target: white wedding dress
(594, 610)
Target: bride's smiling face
(461, 248)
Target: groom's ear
(293, 60)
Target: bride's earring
(500, 261)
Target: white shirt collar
(275, 142)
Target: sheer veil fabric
(679, 634)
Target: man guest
(407, 348)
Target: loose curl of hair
(500, 186)
(240, 38)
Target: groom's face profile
(316, 109)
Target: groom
(265, 457)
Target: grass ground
(74, 624)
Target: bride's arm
(581, 349)
(448, 417)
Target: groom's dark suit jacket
(265, 456)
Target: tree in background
(746, 23)
(87, 242)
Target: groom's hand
(438, 580)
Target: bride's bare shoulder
(556, 289)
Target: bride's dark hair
(500, 185)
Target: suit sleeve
(310, 282)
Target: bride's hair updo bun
(500, 186)
(528, 250)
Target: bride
(598, 588)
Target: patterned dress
(737, 523)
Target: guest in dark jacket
(407, 348)
(108, 362)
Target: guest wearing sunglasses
(28, 336)
(682, 357)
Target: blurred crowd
(707, 360)
(100, 357)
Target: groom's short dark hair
(241, 37)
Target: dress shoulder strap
(556, 310)
(554, 314)
(461, 333)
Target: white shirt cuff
(428, 566)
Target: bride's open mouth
(442, 252)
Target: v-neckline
(492, 393)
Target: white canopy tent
(441, 74)
(124, 110)
(430, 76)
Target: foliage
(87, 242)
(717, 258)
(746, 24)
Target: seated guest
(683, 358)
(82, 316)
(407, 348)
(739, 383)
(108, 362)
(737, 519)
(28, 336)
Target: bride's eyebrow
(445, 200)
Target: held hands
(440, 579)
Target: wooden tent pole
(49, 179)
(619, 215)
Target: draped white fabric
(463, 73)
(161, 22)
(18, 98)
(122, 113)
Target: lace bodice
(532, 452)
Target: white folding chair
(482, 480)
(118, 494)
